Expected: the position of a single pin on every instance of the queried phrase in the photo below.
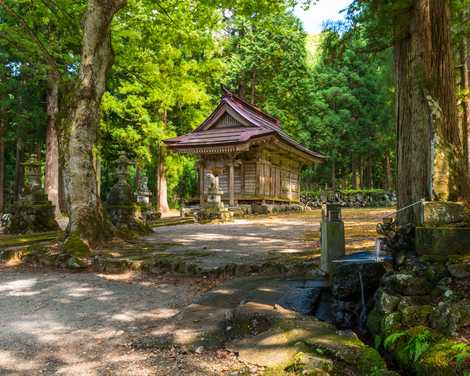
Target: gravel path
(54, 323)
(259, 239)
(82, 324)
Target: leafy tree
(168, 65)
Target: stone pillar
(231, 188)
(332, 236)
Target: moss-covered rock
(436, 271)
(448, 316)
(370, 362)
(27, 217)
(407, 284)
(459, 271)
(76, 247)
(374, 322)
(445, 358)
(416, 315)
(392, 323)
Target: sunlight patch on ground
(18, 285)
(9, 361)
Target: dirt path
(54, 323)
(259, 239)
(82, 324)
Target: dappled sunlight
(18, 285)
(66, 319)
(133, 315)
(12, 362)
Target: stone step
(172, 221)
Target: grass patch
(29, 239)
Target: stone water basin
(344, 297)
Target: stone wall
(421, 316)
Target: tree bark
(162, 184)
(388, 174)
(19, 171)
(253, 86)
(162, 191)
(51, 181)
(86, 215)
(427, 129)
(464, 82)
(333, 175)
(354, 172)
(2, 166)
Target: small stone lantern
(32, 178)
(33, 212)
(143, 192)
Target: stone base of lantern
(29, 216)
(126, 221)
(214, 211)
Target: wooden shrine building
(254, 159)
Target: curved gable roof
(254, 123)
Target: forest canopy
(169, 63)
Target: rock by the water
(459, 271)
(345, 280)
(302, 300)
(386, 302)
(408, 284)
(313, 362)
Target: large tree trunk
(162, 184)
(253, 86)
(354, 172)
(51, 181)
(87, 218)
(388, 174)
(333, 175)
(464, 82)
(162, 187)
(427, 128)
(2, 166)
(19, 170)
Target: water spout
(363, 314)
(378, 245)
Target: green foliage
(329, 93)
(413, 343)
(462, 352)
(419, 344)
(392, 339)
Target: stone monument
(332, 236)
(213, 208)
(147, 212)
(143, 192)
(120, 203)
(33, 212)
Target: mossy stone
(76, 247)
(392, 323)
(416, 315)
(440, 360)
(370, 363)
(374, 322)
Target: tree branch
(50, 4)
(162, 8)
(50, 59)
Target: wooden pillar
(231, 187)
(201, 182)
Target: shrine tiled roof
(251, 124)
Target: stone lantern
(32, 173)
(33, 212)
(143, 192)
(120, 204)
